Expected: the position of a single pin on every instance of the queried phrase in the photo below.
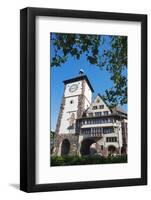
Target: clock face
(73, 88)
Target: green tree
(52, 136)
(113, 59)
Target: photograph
(88, 99)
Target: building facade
(86, 127)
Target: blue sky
(99, 79)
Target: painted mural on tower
(88, 109)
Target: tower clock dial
(73, 88)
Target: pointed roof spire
(81, 72)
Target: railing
(94, 134)
(92, 131)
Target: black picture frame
(28, 99)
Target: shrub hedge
(85, 160)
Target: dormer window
(94, 108)
(101, 106)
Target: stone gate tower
(76, 99)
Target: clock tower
(76, 99)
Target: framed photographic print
(83, 99)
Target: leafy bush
(85, 160)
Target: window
(71, 102)
(110, 120)
(97, 121)
(83, 122)
(101, 106)
(96, 130)
(94, 108)
(97, 114)
(105, 112)
(108, 130)
(105, 120)
(86, 131)
(100, 121)
(90, 114)
(111, 139)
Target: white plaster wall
(81, 137)
(72, 108)
(115, 144)
(65, 123)
(101, 141)
(111, 135)
(68, 110)
(88, 96)
(86, 104)
(120, 136)
(88, 92)
(118, 131)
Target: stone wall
(73, 140)
(81, 101)
(60, 115)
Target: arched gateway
(65, 147)
(89, 146)
(112, 150)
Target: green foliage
(52, 139)
(52, 135)
(85, 160)
(113, 59)
(74, 45)
(57, 161)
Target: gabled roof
(102, 100)
(113, 109)
(79, 78)
(118, 109)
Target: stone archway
(65, 147)
(112, 150)
(86, 148)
